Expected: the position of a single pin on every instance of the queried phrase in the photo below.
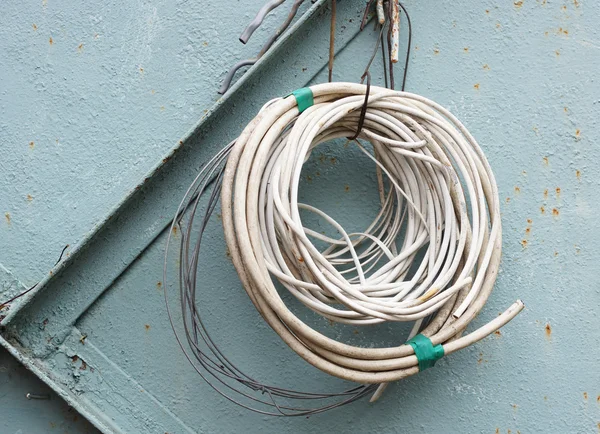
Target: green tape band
(426, 353)
(304, 98)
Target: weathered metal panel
(522, 78)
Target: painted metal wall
(93, 97)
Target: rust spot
(416, 47)
(158, 285)
(585, 395)
(498, 25)
(598, 399)
(162, 108)
(476, 86)
(301, 259)
(80, 47)
(309, 178)
(147, 327)
(318, 173)
(545, 194)
(497, 430)
(31, 145)
(346, 187)
(508, 200)
(34, 26)
(509, 431)
(546, 161)
(577, 133)
(29, 197)
(45, 322)
(83, 366)
(141, 70)
(566, 110)
(576, 3)
(557, 52)
(487, 11)
(515, 406)
(7, 217)
(466, 49)
(527, 231)
(542, 210)
(355, 331)
(548, 330)
(486, 67)
(529, 221)
(518, 3)
(558, 192)
(555, 212)
(555, 253)
(333, 160)
(535, 129)
(578, 175)
(175, 230)
(436, 51)
(563, 8)
(498, 333)
(50, 41)
(524, 243)
(74, 358)
(518, 190)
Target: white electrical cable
(441, 203)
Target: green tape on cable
(304, 98)
(426, 352)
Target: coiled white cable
(441, 199)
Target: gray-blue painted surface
(521, 75)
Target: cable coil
(437, 173)
(430, 256)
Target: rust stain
(566, 109)
(80, 48)
(546, 161)
(527, 231)
(50, 41)
(576, 3)
(487, 11)
(29, 197)
(535, 129)
(158, 285)
(498, 25)
(577, 133)
(498, 333)
(529, 221)
(518, 190)
(585, 396)
(545, 194)
(174, 230)
(578, 175)
(518, 4)
(486, 67)
(515, 407)
(524, 243)
(466, 49)
(542, 210)
(555, 212)
(563, 8)
(436, 51)
(548, 330)
(31, 145)
(147, 327)
(508, 200)
(162, 108)
(557, 192)
(34, 26)
(555, 253)
(497, 430)
(7, 217)
(309, 178)
(509, 431)
(301, 259)
(333, 160)
(346, 187)
(476, 86)
(562, 31)
(557, 52)
(83, 366)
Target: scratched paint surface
(521, 76)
